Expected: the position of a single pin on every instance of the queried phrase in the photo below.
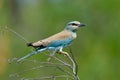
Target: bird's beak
(82, 25)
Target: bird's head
(74, 26)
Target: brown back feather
(59, 36)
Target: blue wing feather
(63, 43)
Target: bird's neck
(73, 34)
(70, 29)
(74, 31)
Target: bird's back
(65, 34)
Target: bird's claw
(63, 52)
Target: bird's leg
(62, 52)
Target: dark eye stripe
(74, 24)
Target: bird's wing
(59, 36)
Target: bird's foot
(63, 52)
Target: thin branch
(50, 77)
(38, 67)
(66, 64)
(51, 55)
(72, 56)
(74, 67)
(50, 63)
(19, 35)
(65, 71)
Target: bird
(56, 42)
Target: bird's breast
(74, 35)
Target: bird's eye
(73, 24)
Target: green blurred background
(96, 50)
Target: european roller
(56, 42)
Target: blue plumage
(56, 42)
(63, 43)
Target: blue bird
(56, 42)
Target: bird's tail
(31, 54)
(26, 56)
(29, 44)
